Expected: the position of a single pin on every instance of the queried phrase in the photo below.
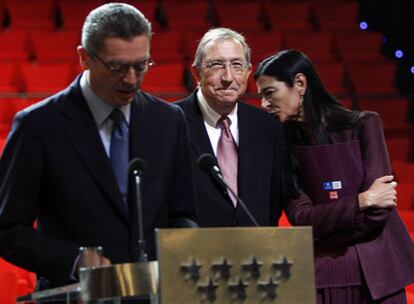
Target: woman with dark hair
(337, 178)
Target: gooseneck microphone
(136, 168)
(208, 164)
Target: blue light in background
(363, 25)
(399, 54)
(412, 69)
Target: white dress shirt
(211, 118)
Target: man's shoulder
(186, 102)
(158, 108)
(248, 111)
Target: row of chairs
(361, 79)
(252, 15)
(172, 46)
(399, 133)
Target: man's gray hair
(219, 33)
(116, 20)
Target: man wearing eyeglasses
(66, 159)
(243, 139)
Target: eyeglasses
(218, 66)
(119, 68)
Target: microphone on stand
(136, 168)
(208, 164)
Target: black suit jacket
(260, 138)
(54, 170)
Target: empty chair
(2, 12)
(252, 101)
(46, 78)
(54, 46)
(3, 138)
(400, 148)
(165, 78)
(393, 111)
(408, 218)
(283, 221)
(332, 75)
(8, 78)
(148, 8)
(22, 103)
(347, 103)
(7, 111)
(359, 46)
(74, 12)
(318, 46)
(15, 282)
(373, 79)
(263, 45)
(41, 14)
(190, 43)
(13, 46)
(405, 195)
(166, 47)
(288, 16)
(403, 171)
(8, 290)
(187, 15)
(331, 15)
(243, 16)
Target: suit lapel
(247, 144)
(84, 136)
(199, 139)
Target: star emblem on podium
(191, 269)
(268, 288)
(238, 289)
(222, 268)
(282, 267)
(252, 267)
(208, 290)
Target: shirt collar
(99, 108)
(210, 116)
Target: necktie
(227, 156)
(119, 151)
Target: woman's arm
(348, 219)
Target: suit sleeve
(183, 210)
(343, 222)
(21, 176)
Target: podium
(209, 265)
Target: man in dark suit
(251, 167)
(57, 166)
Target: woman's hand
(381, 194)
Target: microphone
(136, 168)
(208, 164)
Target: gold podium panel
(236, 265)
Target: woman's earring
(300, 107)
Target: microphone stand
(215, 171)
(143, 257)
(244, 207)
(208, 164)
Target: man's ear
(196, 74)
(84, 57)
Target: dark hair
(118, 20)
(322, 111)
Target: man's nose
(131, 76)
